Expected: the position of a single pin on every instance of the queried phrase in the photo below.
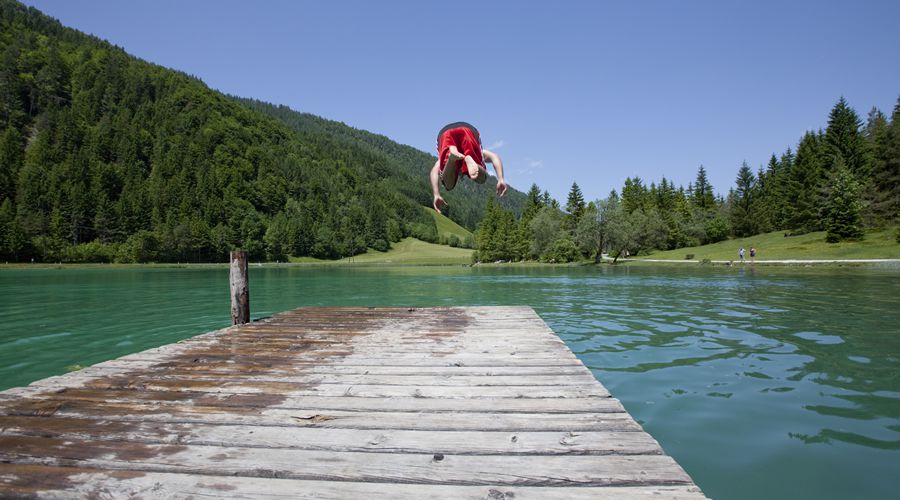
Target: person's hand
(501, 187)
(438, 203)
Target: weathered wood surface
(240, 288)
(482, 402)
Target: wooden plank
(340, 358)
(335, 439)
(509, 422)
(346, 403)
(158, 376)
(294, 389)
(37, 480)
(301, 377)
(511, 470)
(287, 367)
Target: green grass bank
(877, 244)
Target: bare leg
(448, 174)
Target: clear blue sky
(589, 91)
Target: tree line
(105, 157)
(841, 180)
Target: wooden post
(240, 288)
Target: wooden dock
(474, 402)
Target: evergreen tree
(764, 203)
(12, 106)
(702, 192)
(844, 141)
(533, 203)
(884, 138)
(805, 185)
(780, 186)
(635, 195)
(12, 156)
(574, 208)
(843, 219)
(742, 221)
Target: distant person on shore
(752, 254)
(460, 154)
(741, 254)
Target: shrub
(562, 250)
(94, 252)
(689, 256)
(381, 245)
(142, 246)
(716, 229)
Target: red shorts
(466, 141)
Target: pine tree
(702, 193)
(742, 215)
(843, 217)
(763, 204)
(780, 189)
(12, 106)
(533, 203)
(804, 185)
(574, 208)
(486, 243)
(634, 195)
(12, 156)
(884, 138)
(844, 141)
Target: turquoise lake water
(762, 383)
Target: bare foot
(476, 172)
(452, 160)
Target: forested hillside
(105, 157)
(844, 180)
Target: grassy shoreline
(810, 249)
(877, 244)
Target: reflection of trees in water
(826, 436)
(830, 366)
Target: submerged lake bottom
(761, 383)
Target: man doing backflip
(460, 153)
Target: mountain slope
(104, 156)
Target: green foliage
(635, 195)
(843, 219)
(716, 229)
(574, 208)
(804, 184)
(589, 234)
(742, 218)
(497, 237)
(544, 229)
(562, 250)
(884, 138)
(702, 194)
(152, 165)
(844, 141)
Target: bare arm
(435, 190)
(494, 159)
